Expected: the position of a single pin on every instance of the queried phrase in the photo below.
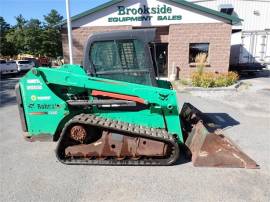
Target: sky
(37, 8)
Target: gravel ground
(30, 171)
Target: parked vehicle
(250, 52)
(39, 61)
(7, 67)
(44, 62)
(24, 65)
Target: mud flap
(208, 146)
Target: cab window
(122, 60)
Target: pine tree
(16, 35)
(52, 43)
(32, 37)
(6, 48)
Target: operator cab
(121, 55)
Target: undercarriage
(89, 139)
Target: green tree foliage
(6, 48)
(4, 26)
(53, 18)
(20, 22)
(32, 36)
(16, 35)
(52, 42)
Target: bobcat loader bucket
(208, 146)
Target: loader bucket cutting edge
(208, 147)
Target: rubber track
(124, 128)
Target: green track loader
(113, 110)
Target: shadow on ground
(259, 74)
(7, 89)
(222, 120)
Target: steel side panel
(161, 102)
(43, 109)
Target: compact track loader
(114, 111)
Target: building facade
(250, 37)
(183, 30)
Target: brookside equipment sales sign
(144, 13)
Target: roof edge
(232, 19)
(92, 10)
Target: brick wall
(80, 35)
(218, 35)
(162, 34)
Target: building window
(197, 48)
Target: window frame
(122, 68)
(144, 36)
(194, 64)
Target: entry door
(160, 56)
